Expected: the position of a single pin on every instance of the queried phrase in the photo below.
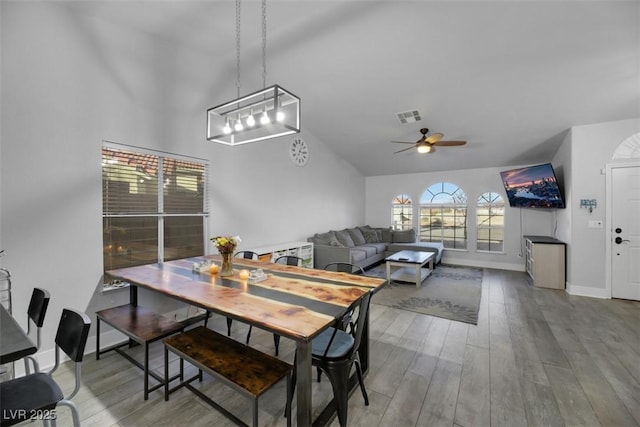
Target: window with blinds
(154, 206)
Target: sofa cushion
(357, 256)
(380, 247)
(323, 238)
(369, 250)
(344, 237)
(404, 236)
(385, 234)
(356, 236)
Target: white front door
(625, 233)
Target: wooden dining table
(15, 344)
(293, 302)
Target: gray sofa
(365, 246)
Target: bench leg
(97, 338)
(287, 408)
(146, 371)
(166, 374)
(255, 412)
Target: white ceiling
(510, 77)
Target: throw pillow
(324, 238)
(357, 236)
(404, 236)
(344, 237)
(371, 236)
(334, 242)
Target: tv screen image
(532, 187)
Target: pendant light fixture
(268, 113)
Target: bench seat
(142, 326)
(243, 368)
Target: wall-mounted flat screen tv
(532, 187)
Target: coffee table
(412, 266)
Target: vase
(227, 266)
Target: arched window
(443, 215)
(490, 222)
(402, 212)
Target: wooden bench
(243, 368)
(141, 326)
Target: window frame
(159, 213)
(402, 201)
(450, 191)
(494, 200)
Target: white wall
(562, 164)
(591, 148)
(68, 82)
(382, 189)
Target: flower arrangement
(226, 244)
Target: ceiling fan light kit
(425, 148)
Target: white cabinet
(545, 261)
(303, 250)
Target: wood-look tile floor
(538, 357)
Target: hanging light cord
(238, 46)
(264, 43)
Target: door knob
(618, 230)
(620, 240)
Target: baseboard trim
(586, 291)
(483, 264)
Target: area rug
(449, 292)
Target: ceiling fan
(427, 144)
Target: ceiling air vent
(409, 116)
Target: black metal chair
(289, 260)
(246, 255)
(336, 350)
(38, 393)
(35, 314)
(344, 267)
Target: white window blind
(154, 206)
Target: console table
(545, 261)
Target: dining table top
(295, 302)
(14, 342)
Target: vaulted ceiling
(509, 77)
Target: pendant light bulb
(226, 129)
(238, 126)
(264, 118)
(280, 116)
(250, 120)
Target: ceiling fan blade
(431, 139)
(406, 149)
(404, 142)
(450, 143)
